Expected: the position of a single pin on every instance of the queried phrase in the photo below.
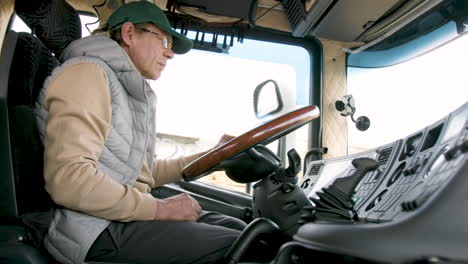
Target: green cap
(143, 11)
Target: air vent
(384, 155)
(303, 20)
(315, 169)
(295, 10)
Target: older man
(99, 160)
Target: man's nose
(168, 53)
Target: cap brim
(180, 43)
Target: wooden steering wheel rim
(263, 134)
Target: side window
(19, 26)
(87, 22)
(203, 95)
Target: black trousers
(160, 242)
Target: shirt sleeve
(170, 170)
(79, 120)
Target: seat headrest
(32, 63)
(54, 22)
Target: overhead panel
(238, 8)
(350, 18)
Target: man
(99, 149)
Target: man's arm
(170, 170)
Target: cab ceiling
(349, 21)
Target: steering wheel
(263, 134)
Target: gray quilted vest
(132, 136)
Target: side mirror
(267, 99)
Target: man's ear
(127, 32)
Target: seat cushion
(19, 253)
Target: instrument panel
(410, 205)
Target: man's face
(148, 52)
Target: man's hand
(224, 138)
(180, 207)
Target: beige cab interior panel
(335, 126)
(6, 10)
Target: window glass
(203, 95)
(407, 97)
(18, 25)
(87, 22)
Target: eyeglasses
(161, 37)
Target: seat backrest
(26, 60)
(30, 64)
(24, 64)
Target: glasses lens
(165, 43)
(163, 38)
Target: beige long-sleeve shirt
(79, 121)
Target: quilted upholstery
(54, 22)
(335, 126)
(32, 63)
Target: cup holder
(396, 174)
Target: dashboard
(402, 202)
(407, 202)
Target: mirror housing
(267, 99)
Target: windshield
(402, 99)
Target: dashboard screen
(456, 124)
